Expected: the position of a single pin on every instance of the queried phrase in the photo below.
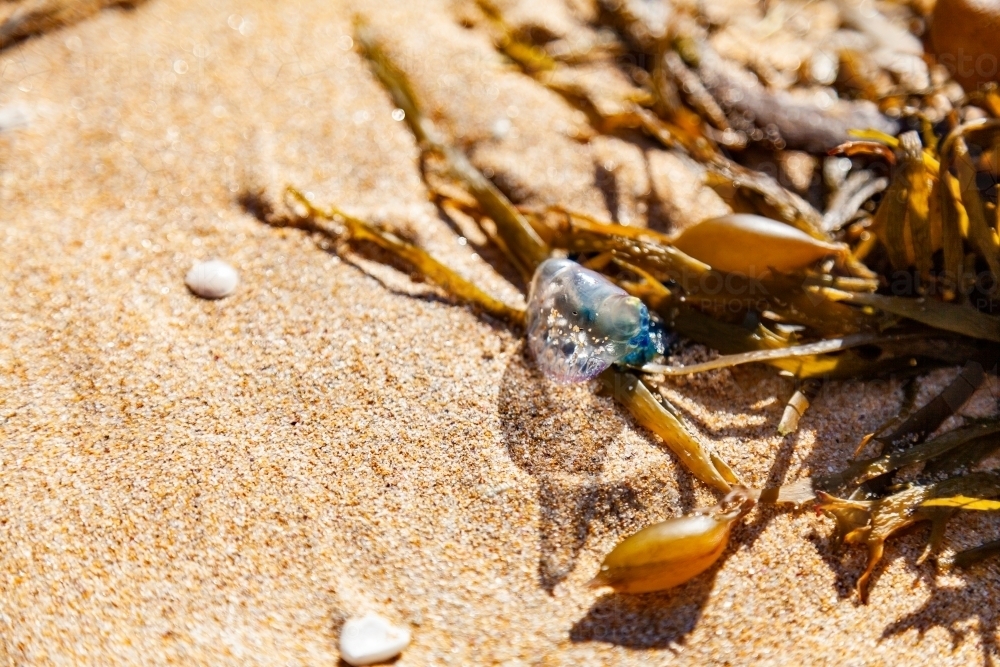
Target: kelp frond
(825, 302)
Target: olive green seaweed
(827, 309)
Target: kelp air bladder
(674, 551)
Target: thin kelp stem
(806, 350)
(862, 471)
(520, 241)
(974, 555)
(928, 418)
(944, 316)
(441, 275)
(911, 391)
(696, 456)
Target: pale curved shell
(371, 639)
(579, 323)
(213, 279)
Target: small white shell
(213, 279)
(371, 639)
(13, 117)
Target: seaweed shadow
(665, 618)
(560, 435)
(953, 609)
(652, 620)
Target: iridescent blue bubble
(579, 323)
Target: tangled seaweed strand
(827, 311)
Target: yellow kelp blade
(963, 503)
(955, 153)
(875, 135)
(437, 272)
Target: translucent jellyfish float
(580, 323)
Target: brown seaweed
(831, 313)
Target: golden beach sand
(225, 482)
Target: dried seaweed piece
(964, 213)
(865, 148)
(355, 229)
(519, 240)
(929, 417)
(954, 222)
(850, 197)
(972, 556)
(797, 406)
(663, 261)
(667, 423)
(963, 320)
(872, 522)
(910, 392)
(980, 234)
(862, 471)
(904, 222)
(962, 459)
(777, 117)
(696, 93)
(35, 17)
(877, 136)
(806, 350)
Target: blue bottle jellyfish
(579, 323)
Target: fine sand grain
(225, 482)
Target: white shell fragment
(12, 117)
(371, 639)
(213, 279)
